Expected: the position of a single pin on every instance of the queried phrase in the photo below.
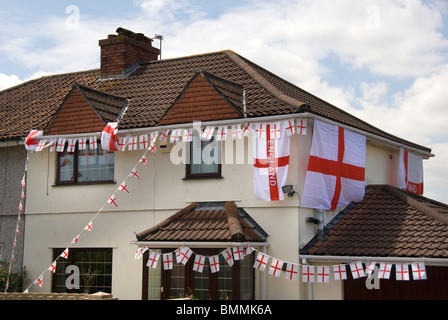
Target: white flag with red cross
(307, 273)
(228, 257)
(357, 270)
(214, 263)
(153, 259)
(271, 162)
(198, 264)
(261, 261)
(323, 274)
(276, 267)
(31, 141)
(292, 271)
(109, 139)
(168, 261)
(336, 168)
(418, 271)
(410, 172)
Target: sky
(384, 61)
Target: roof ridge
(399, 194)
(262, 81)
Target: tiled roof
(109, 107)
(388, 222)
(154, 86)
(216, 221)
(33, 104)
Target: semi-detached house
(98, 210)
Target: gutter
(341, 259)
(196, 244)
(371, 137)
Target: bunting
(279, 268)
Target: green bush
(16, 280)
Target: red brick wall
(75, 116)
(199, 102)
(120, 52)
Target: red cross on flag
(164, 135)
(339, 272)
(176, 135)
(39, 281)
(92, 143)
(418, 271)
(140, 251)
(208, 133)
(276, 267)
(198, 264)
(307, 273)
(261, 261)
(384, 272)
(236, 132)
(52, 267)
(187, 135)
(89, 226)
(323, 274)
(168, 261)
(153, 259)
(71, 145)
(221, 133)
(336, 168)
(214, 263)
(132, 143)
(410, 172)
(292, 271)
(64, 254)
(227, 255)
(61, 145)
(370, 267)
(30, 142)
(82, 143)
(357, 270)
(109, 139)
(184, 255)
(238, 253)
(402, 271)
(270, 166)
(144, 142)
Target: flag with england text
(271, 162)
(336, 168)
(410, 172)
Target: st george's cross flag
(410, 172)
(31, 142)
(109, 139)
(271, 162)
(336, 168)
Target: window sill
(202, 178)
(90, 183)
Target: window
(204, 159)
(85, 166)
(229, 283)
(95, 270)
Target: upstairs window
(204, 159)
(85, 166)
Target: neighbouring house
(183, 202)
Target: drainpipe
(319, 220)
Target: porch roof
(388, 222)
(206, 221)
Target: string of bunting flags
(35, 142)
(19, 219)
(277, 267)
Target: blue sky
(385, 61)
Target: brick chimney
(122, 53)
